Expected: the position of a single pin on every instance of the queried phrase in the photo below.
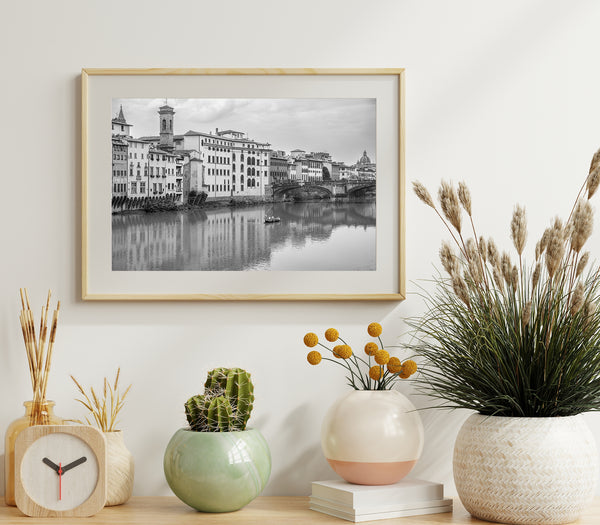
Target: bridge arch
(360, 188)
(289, 190)
(323, 189)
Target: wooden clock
(60, 471)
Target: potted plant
(217, 464)
(104, 409)
(518, 343)
(372, 435)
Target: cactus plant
(226, 403)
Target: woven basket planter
(525, 470)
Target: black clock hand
(51, 464)
(73, 464)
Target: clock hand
(73, 464)
(60, 473)
(51, 464)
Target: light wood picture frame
(338, 252)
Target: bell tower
(165, 122)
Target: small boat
(270, 218)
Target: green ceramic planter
(217, 471)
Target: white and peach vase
(372, 437)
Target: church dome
(364, 159)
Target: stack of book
(366, 502)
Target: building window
(164, 125)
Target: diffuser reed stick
(38, 347)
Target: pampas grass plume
(423, 194)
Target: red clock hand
(60, 472)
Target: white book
(356, 496)
(324, 503)
(352, 516)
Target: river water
(318, 236)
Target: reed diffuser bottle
(38, 411)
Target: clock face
(59, 471)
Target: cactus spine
(226, 403)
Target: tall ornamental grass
(508, 338)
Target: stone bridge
(326, 189)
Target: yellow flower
(331, 334)
(314, 357)
(394, 365)
(382, 357)
(410, 366)
(343, 351)
(404, 374)
(311, 339)
(374, 329)
(371, 348)
(375, 372)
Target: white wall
(501, 94)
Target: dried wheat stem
(50, 350)
(105, 409)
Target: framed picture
(250, 184)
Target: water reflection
(311, 236)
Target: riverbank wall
(124, 205)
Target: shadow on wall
(441, 428)
(296, 467)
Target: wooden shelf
(262, 511)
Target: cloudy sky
(342, 127)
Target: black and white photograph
(257, 184)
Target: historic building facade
(220, 164)
(119, 125)
(120, 148)
(365, 169)
(278, 167)
(149, 171)
(232, 165)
